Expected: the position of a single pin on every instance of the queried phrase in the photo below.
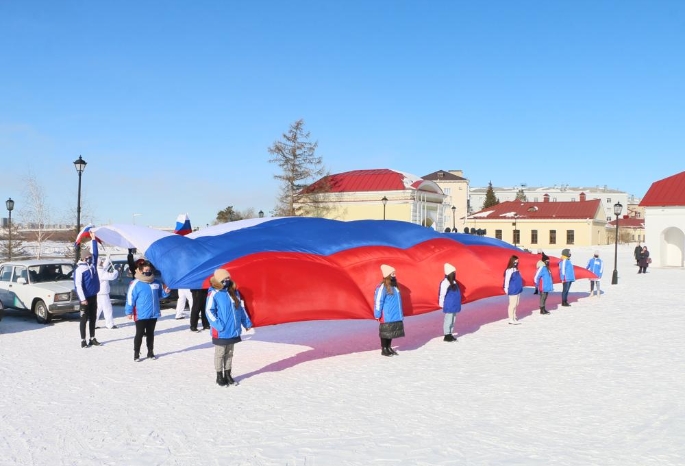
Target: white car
(43, 287)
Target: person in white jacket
(183, 296)
(106, 273)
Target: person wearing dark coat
(636, 253)
(643, 261)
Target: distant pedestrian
(226, 315)
(513, 287)
(539, 264)
(644, 261)
(596, 266)
(543, 280)
(567, 275)
(388, 310)
(197, 311)
(636, 253)
(184, 295)
(142, 305)
(449, 299)
(106, 273)
(87, 285)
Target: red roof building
(664, 206)
(667, 192)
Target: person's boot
(229, 379)
(220, 379)
(385, 351)
(543, 310)
(93, 342)
(565, 303)
(136, 356)
(392, 351)
(449, 337)
(84, 344)
(151, 354)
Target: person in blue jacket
(87, 283)
(142, 305)
(566, 274)
(226, 314)
(387, 309)
(449, 299)
(596, 266)
(513, 287)
(544, 283)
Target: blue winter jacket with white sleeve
(566, 272)
(513, 282)
(449, 299)
(596, 266)
(86, 278)
(387, 307)
(543, 279)
(225, 317)
(142, 299)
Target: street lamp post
(618, 208)
(9, 203)
(80, 165)
(454, 223)
(515, 238)
(261, 214)
(384, 201)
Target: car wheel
(43, 316)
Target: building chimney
(545, 198)
(582, 197)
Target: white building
(664, 206)
(563, 193)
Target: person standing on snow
(387, 310)
(543, 282)
(567, 275)
(596, 266)
(87, 286)
(184, 295)
(226, 314)
(449, 299)
(106, 273)
(513, 287)
(142, 305)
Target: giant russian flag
(296, 268)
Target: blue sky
(173, 104)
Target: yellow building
(456, 190)
(543, 225)
(382, 194)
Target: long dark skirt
(391, 329)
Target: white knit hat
(449, 268)
(386, 270)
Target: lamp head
(80, 164)
(9, 203)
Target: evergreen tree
(490, 199)
(228, 215)
(521, 196)
(300, 168)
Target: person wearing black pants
(145, 327)
(142, 305)
(198, 310)
(87, 285)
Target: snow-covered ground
(597, 383)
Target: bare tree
(36, 213)
(300, 167)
